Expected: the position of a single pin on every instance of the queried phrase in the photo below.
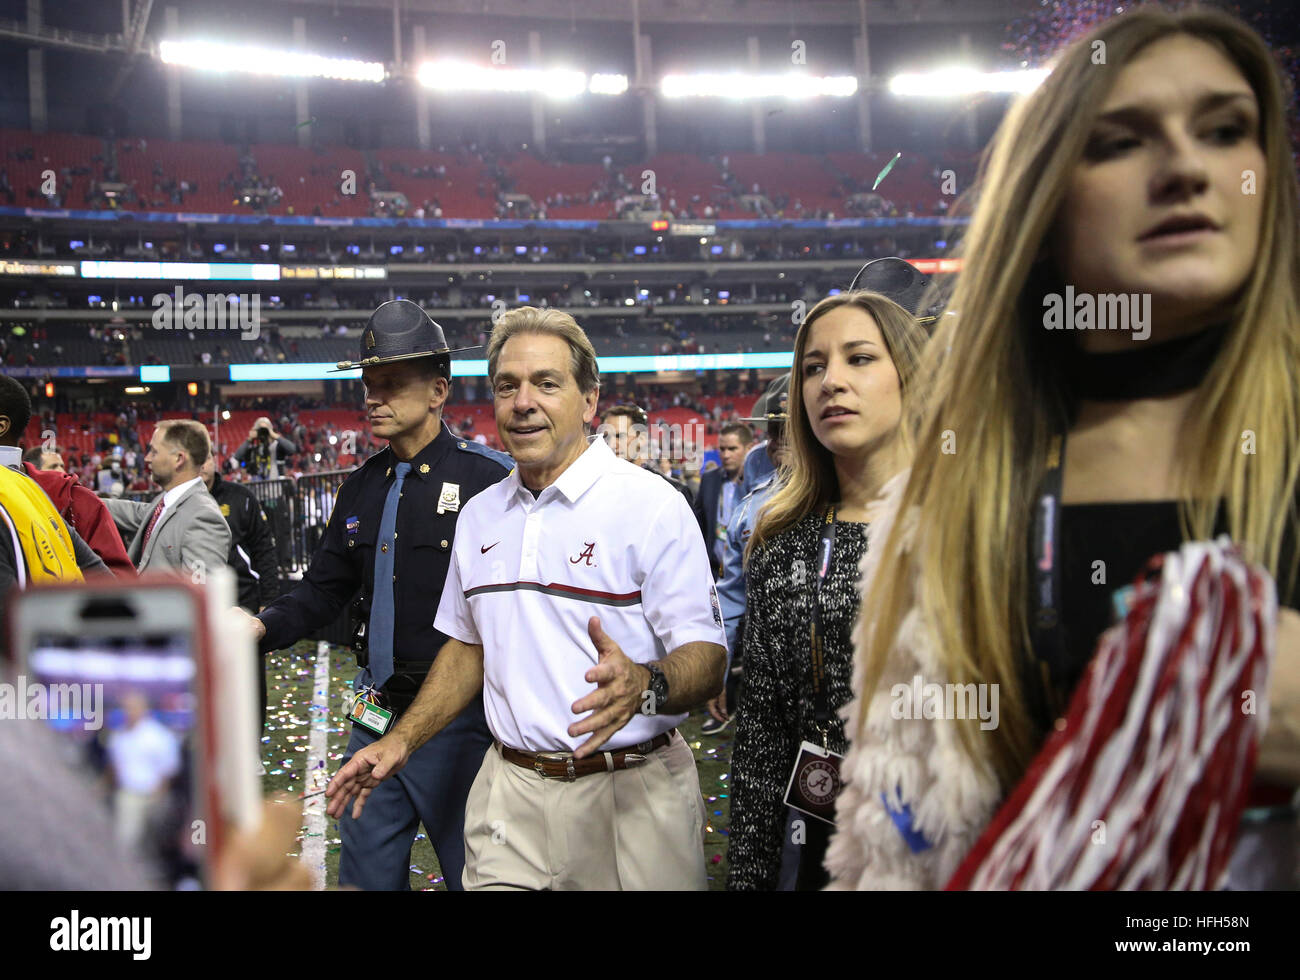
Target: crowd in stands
(134, 343)
(19, 244)
(104, 442)
(524, 183)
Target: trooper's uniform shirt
(344, 564)
(733, 583)
(757, 469)
(433, 786)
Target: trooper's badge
(449, 499)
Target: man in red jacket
(88, 514)
(83, 511)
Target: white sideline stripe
(313, 810)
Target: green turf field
(286, 747)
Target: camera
(263, 434)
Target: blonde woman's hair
(808, 478)
(992, 380)
(555, 323)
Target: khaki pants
(131, 814)
(635, 829)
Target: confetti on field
(290, 717)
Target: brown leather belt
(562, 765)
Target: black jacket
(263, 461)
(706, 512)
(252, 548)
(344, 564)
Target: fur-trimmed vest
(911, 762)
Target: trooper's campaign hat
(899, 280)
(399, 331)
(773, 404)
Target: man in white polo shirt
(578, 569)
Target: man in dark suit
(183, 528)
(720, 490)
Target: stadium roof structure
(740, 12)
(744, 13)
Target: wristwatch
(655, 696)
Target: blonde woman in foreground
(1161, 171)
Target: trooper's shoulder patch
(478, 449)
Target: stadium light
(607, 84)
(212, 56)
(966, 81)
(742, 86)
(459, 76)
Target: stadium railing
(307, 510)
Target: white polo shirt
(606, 539)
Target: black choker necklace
(1146, 371)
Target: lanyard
(723, 512)
(821, 707)
(1045, 585)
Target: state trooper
(389, 538)
(771, 410)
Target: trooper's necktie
(381, 609)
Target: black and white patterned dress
(776, 708)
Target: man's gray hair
(557, 323)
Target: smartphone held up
(150, 688)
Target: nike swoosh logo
(484, 551)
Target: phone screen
(128, 708)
